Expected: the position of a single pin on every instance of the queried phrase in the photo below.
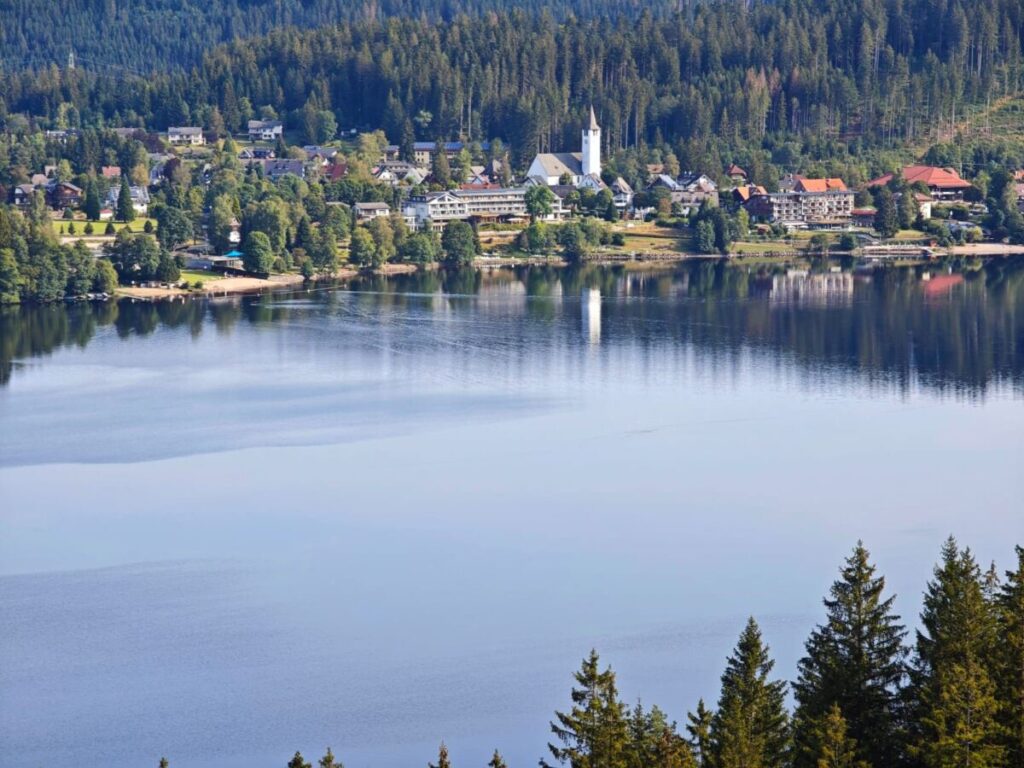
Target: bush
(88, 228)
(110, 229)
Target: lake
(379, 515)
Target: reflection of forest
(961, 333)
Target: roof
(748, 191)
(735, 170)
(188, 130)
(593, 120)
(930, 175)
(621, 186)
(256, 125)
(819, 185)
(558, 163)
(110, 171)
(373, 206)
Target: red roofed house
(943, 183)
(736, 173)
(110, 171)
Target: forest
(868, 693)
(758, 83)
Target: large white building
(583, 168)
(436, 209)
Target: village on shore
(358, 202)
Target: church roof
(593, 120)
(557, 163)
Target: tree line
(720, 80)
(866, 695)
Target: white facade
(592, 147)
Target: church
(582, 168)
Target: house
(110, 172)
(39, 180)
(942, 183)
(742, 194)
(128, 133)
(689, 191)
(814, 203)
(277, 169)
(423, 151)
(335, 171)
(257, 153)
(64, 194)
(235, 232)
(372, 210)
(62, 135)
(139, 195)
(395, 172)
(736, 174)
(190, 135)
(622, 194)
(21, 195)
(864, 217)
(552, 167)
(265, 130)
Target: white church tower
(592, 147)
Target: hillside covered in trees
(142, 35)
(816, 77)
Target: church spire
(593, 120)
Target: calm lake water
(381, 515)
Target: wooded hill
(834, 74)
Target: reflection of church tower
(592, 147)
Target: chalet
(622, 194)
(942, 183)
(742, 194)
(139, 195)
(335, 171)
(64, 194)
(265, 130)
(736, 174)
(372, 210)
(191, 135)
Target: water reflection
(959, 330)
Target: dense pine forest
(868, 694)
(142, 35)
(757, 81)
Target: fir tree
(1010, 661)
(954, 723)
(91, 204)
(699, 730)
(832, 745)
(125, 210)
(442, 758)
(593, 734)
(328, 761)
(496, 761)
(298, 761)
(439, 166)
(854, 660)
(751, 727)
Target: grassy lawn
(197, 275)
(100, 227)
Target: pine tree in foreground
(442, 758)
(497, 761)
(1010, 662)
(751, 727)
(699, 729)
(953, 693)
(593, 734)
(855, 661)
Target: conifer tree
(593, 734)
(954, 721)
(832, 745)
(442, 758)
(854, 660)
(751, 727)
(699, 729)
(298, 761)
(328, 761)
(125, 210)
(440, 169)
(91, 204)
(496, 761)
(1010, 661)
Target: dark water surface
(385, 514)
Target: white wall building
(582, 168)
